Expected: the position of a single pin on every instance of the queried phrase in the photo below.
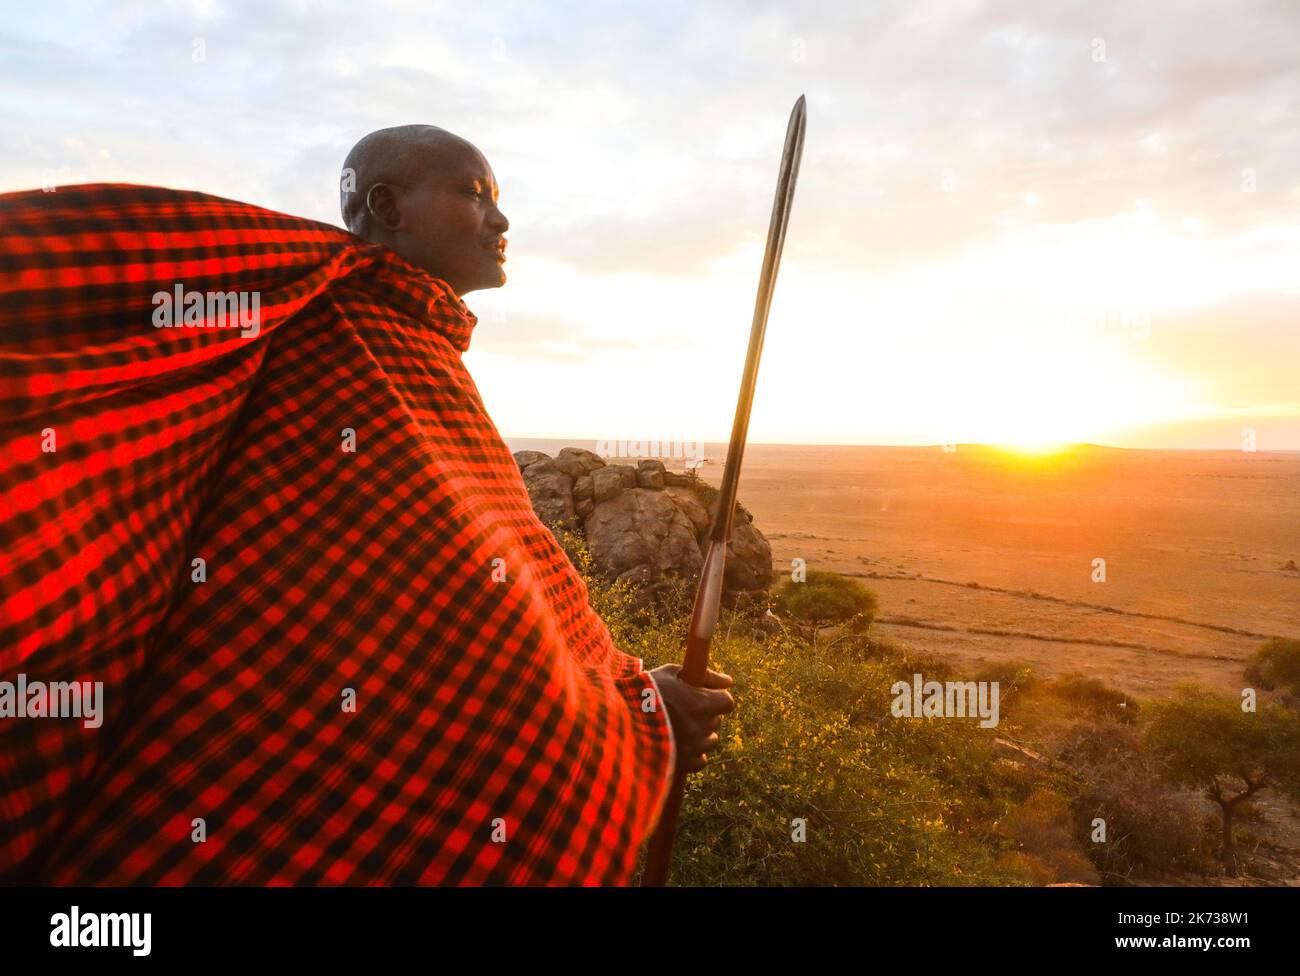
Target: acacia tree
(825, 599)
(1206, 742)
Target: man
(432, 197)
(336, 644)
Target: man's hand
(695, 713)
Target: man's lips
(498, 249)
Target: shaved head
(432, 197)
(395, 156)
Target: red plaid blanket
(335, 643)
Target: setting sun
(1035, 449)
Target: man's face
(452, 227)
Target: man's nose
(498, 221)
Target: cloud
(637, 145)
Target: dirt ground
(982, 555)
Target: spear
(708, 595)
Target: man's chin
(496, 281)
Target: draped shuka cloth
(336, 644)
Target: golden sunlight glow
(1046, 335)
(1035, 449)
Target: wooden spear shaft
(708, 595)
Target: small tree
(823, 600)
(1207, 742)
(1276, 666)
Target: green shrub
(1014, 678)
(882, 801)
(1094, 697)
(825, 599)
(1044, 842)
(1276, 666)
(1150, 828)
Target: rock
(643, 533)
(749, 559)
(641, 577)
(525, 458)
(551, 492)
(650, 474)
(606, 483)
(545, 466)
(589, 460)
(570, 465)
(749, 555)
(770, 623)
(705, 492)
(685, 499)
(644, 524)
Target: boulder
(589, 460)
(641, 535)
(749, 555)
(525, 458)
(606, 483)
(650, 474)
(544, 466)
(551, 492)
(570, 465)
(685, 499)
(643, 523)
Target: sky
(1020, 222)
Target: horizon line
(932, 445)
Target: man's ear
(381, 203)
